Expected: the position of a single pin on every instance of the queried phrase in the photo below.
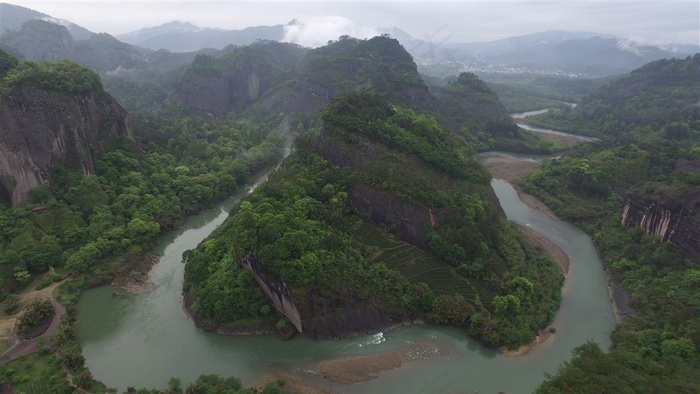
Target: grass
(69, 291)
(33, 374)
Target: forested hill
(52, 114)
(236, 78)
(638, 193)
(290, 79)
(639, 104)
(380, 217)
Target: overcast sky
(659, 22)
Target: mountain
(649, 120)
(179, 36)
(237, 78)
(554, 52)
(53, 113)
(43, 40)
(12, 17)
(316, 236)
(637, 192)
(379, 218)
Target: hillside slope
(381, 218)
(53, 113)
(638, 194)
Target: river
(143, 340)
(523, 115)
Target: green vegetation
(7, 62)
(481, 119)
(380, 62)
(529, 92)
(637, 105)
(653, 154)
(369, 115)
(210, 384)
(101, 227)
(34, 314)
(62, 76)
(39, 373)
(301, 225)
(101, 224)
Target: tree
(39, 256)
(34, 312)
(506, 305)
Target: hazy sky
(659, 22)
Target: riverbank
(513, 171)
(356, 369)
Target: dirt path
(19, 348)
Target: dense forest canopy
(651, 128)
(639, 105)
(307, 226)
(302, 226)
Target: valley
(357, 215)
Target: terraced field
(415, 264)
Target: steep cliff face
(667, 219)
(275, 289)
(40, 128)
(40, 40)
(323, 316)
(210, 95)
(236, 79)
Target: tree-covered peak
(380, 61)
(637, 105)
(62, 76)
(369, 114)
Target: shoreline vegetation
(356, 369)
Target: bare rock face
(40, 40)
(40, 128)
(666, 218)
(275, 289)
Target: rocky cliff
(666, 218)
(275, 289)
(319, 317)
(45, 41)
(237, 78)
(40, 128)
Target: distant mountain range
(179, 36)
(553, 52)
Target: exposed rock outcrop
(666, 218)
(342, 314)
(40, 128)
(236, 79)
(40, 40)
(275, 289)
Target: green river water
(143, 340)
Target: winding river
(143, 340)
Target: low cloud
(318, 30)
